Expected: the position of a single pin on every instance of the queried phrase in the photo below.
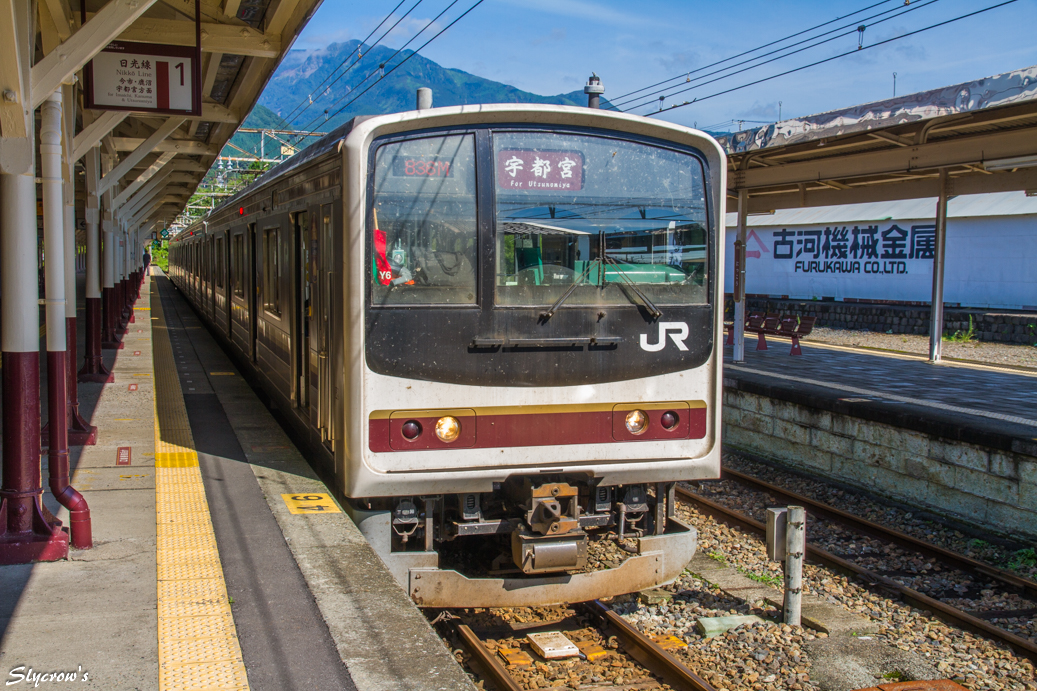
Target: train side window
(219, 263)
(424, 232)
(271, 271)
(238, 265)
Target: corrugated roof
(1017, 86)
(973, 205)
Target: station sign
(165, 233)
(145, 78)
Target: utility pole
(594, 90)
(894, 85)
(779, 111)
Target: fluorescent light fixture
(1010, 163)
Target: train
(495, 330)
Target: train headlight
(636, 422)
(448, 428)
(411, 430)
(669, 420)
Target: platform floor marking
(888, 396)
(197, 640)
(310, 503)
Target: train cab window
(423, 244)
(272, 271)
(599, 213)
(237, 273)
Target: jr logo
(679, 334)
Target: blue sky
(551, 47)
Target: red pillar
(80, 432)
(93, 364)
(25, 534)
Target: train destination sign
(144, 77)
(540, 170)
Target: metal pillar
(80, 432)
(58, 366)
(93, 364)
(25, 534)
(936, 309)
(739, 278)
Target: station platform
(205, 572)
(956, 438)
(970, 401)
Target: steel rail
(941, 610)
(648, 652)
(485, 660)
(1011, 580)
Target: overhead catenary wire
(357, 61)
(381, 67)
(753, 50)
(412, 54)
(855, 51)
(854, 30)
(321, 88)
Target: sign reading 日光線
(144, 77)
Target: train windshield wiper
(569, 291)
(648, 304)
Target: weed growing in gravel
(765, 578)
(963, 336)
(717, 556)
(1023, 558)
(893, 676)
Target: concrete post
(424, 99)
(93, 364)
(739, 281)
(795, 548)
(936, 310)
(58, 366)
(594, 89)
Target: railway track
(644, 663)
(865, 558)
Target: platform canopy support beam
(936, 310)
(93, 364)
(739, 281)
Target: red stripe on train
(532, 429)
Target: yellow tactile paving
(197, 641)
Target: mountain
(284, 103)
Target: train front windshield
(586, 214)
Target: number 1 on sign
(180, 66)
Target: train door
(253, 293)
(301, 309)
(325, 325)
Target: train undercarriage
(529, 542)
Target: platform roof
(983, 132)
(966, 206)
(242, 42)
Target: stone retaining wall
(999, 326)
(991, 488)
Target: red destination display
(539, 170)
(422, 167)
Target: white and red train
(497, 329)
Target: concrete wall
(992, 488)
